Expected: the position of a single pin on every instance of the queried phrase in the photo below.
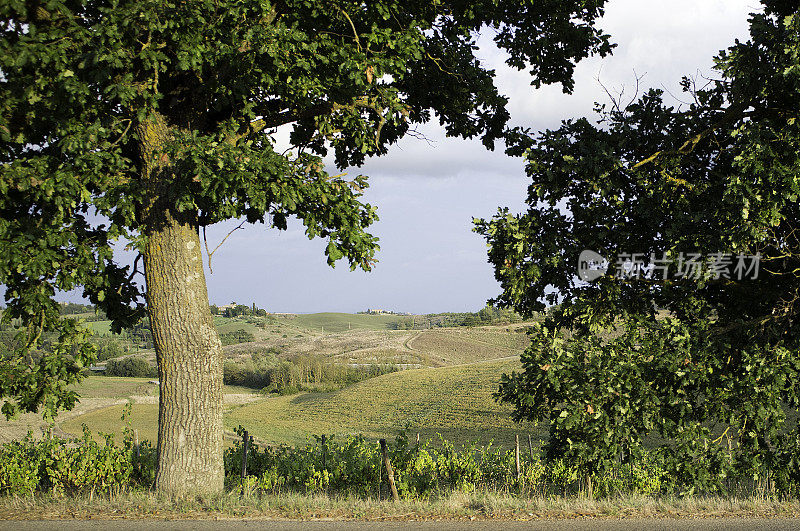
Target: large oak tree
(705, 357)
(147, 120)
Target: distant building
(378, 311)
(227, 307)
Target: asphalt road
(431, 525)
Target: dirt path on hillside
(17, 429)
(228, 399)
(407, 342)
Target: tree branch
(211, 253)
(353, 26)
(731, 114)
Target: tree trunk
(188, 349)
(189, 355)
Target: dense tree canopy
(675, 351)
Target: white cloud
(664, 40)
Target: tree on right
(683, 336)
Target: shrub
(59, 466)
(131, 367)
(265, 371)
(236, 337)
(108, 348)
(458, 471)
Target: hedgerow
(348, 466)
(70, 466)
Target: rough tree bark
(188, 349)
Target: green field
(340, 322)
(143, 419)
(108, 419)
(454, 401)
(290, 325)
(114, 387)
(101, 328)
(232, 324)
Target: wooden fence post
(516, 455)
(389, 471)
(136, 449)
(324, 453)
(246, 438)
(530, 446)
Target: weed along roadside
(356, 478)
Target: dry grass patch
(456, 346)
(453, 505)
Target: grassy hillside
(454, 401)
(445, 395)
(457, 346)
(233, 324)
(289, 325)
(408, 348)
(143, 418)
(103, 402)
(101, 328)
(340, 322)
(114, 387)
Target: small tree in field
(701, 349)
(150, 119)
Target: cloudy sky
(427, 194)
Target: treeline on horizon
(486, 316)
